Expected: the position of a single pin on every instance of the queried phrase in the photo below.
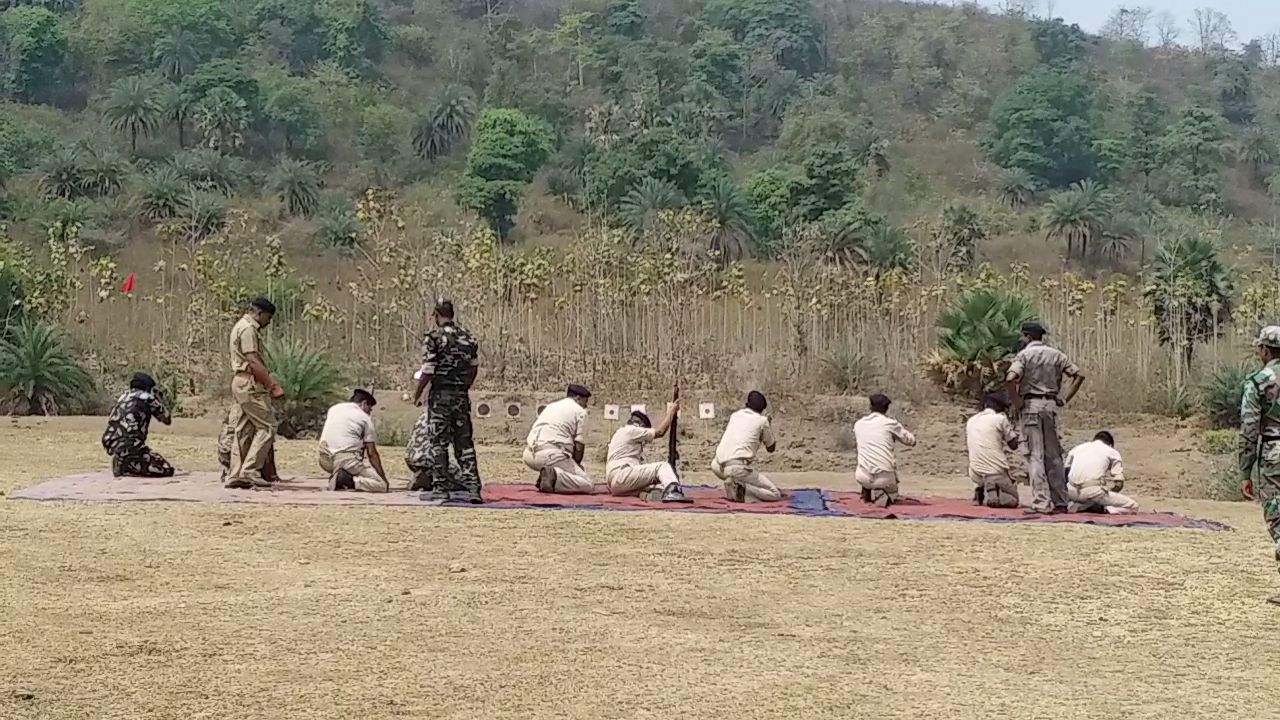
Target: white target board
(610, 412)
(706, 411)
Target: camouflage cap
(1268, 336)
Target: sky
(1251, 18)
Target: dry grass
(170, 610)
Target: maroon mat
(946, 508)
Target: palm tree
(1257, 149)
(1118, 232)
(297, 184)
(133, 106)
(1078, 215)
(640, 207)
(176, 106)
(729, 208)
(104, 172)
(62, 174)
(884, 248)
(162, 194)
(446, 121)
(1015, 187)
(209, 170)
(1190, 291)
(867, 144)
(222, 116)
(38, 375)
(177, 53)
(203, 214)
(977, 334)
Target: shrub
(38, 375)
(846, 370)
(392, 434)
(977, 335)
(1222, 480)
(1171, 398)
(1222, 394)
(338, 227)
(311, 382)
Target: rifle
(673, 452)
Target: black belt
(1041, 396)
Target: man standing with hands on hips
(252, 389)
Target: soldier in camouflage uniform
(125, 438)
(1260, 435)
(449, 366)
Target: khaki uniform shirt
(347, 428)
(244, 340)
(874, 435)
(626, 448)
(988, 434)
(1039, 368)
(561, 424)
(746, 432)
(1094, 464)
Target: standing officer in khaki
(252, 389)
(1035, 386)
(735, 458)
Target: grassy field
(172, 610)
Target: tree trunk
(133, 140)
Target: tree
(34, 45)
(133, 107)
(1190, 291)
(1045, 126)
(162, 193)
(508, 149)
(1212, 29)
(641, 207)
(1128, 23)
(830, 174)
(382, 136)
(176, 106)
(446, 121)
(209, 170)
(1233, 88)
(177, 53)
(1058, 44)
(297, 184)
(571, 37)
(1148, 116)
(62, 174)
(784, 29)
(729, 208)
(222, 117)
(1257, 149)
(293, 111)
(1167, 30)
(977, 337)
(961, 232)
(1192, 157)
(769, 194)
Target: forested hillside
(885, 140)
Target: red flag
(128, 283)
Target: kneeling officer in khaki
(627, 473)
(349, 446)
(555, 446)
(735, 458)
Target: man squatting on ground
(125, 438)
(987, 434)
(1034, 383)
(349, 446)
(735, 457)
(450, 364)
(1260, 436)
(877, 469)
(1095, 477)
(252, 388)
(627, 473)
(554, 447)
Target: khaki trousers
(354, 464)
(634, 479)
(1042, 449)
(255, 429)
(1113, 502)
(883, 485)
(743, 482)
(998, 490)
(571, 478)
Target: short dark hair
(644, 419)
(263, 305)
(995, 401)
(756, 401)
(1033, 329)
(360, 395)
(444, 309)
(1105, 436)
(142, 381)
(880, 403)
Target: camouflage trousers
(1266, 488)
(135, 459)
(445, 422)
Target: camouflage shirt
(130, 419)
(449, 353)
(1259, 413)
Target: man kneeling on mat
(628, 474)
(1095, 477)
(349, 446)
(555, 448)
(988, 434)
(877, 468)
(125, 438)
(735, 458)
